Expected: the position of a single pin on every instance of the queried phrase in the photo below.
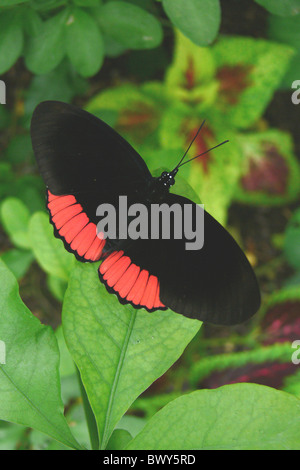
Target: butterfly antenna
(194, 138)
(197, 156)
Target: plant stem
(90, 418)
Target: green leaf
(119, 351)
(49, 251)
(84, 43)
(285, 30)
(29, 380)
(11, 39)
(235, 417)
(132, 424)
(66, 363)
(32, 22)
(45, 51)
(119, 439)
(15, 218)
(130, 25)
(281, 7)
(18, 261)
(199, 20)
(191, 76)
(249, 71)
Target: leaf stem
(90, 418)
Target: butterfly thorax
(162, 184)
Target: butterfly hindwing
(214, 284)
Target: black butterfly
(84, 162)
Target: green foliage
(45, 51)
(236, 78)
(260, 66)
(119, 349)
(130, 25)
(199, 20)
(11, 39)
(287, 31)
(281, 7)
(48, 250)
(29, 382)
(270, 173)
(15, 218)
(235, 417)
(84, 43)
(81, 384)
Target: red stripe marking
(126, 282)
(116, 271)
(51, 196)
(95, 249)
(149, 294)
(61, 203)
(84, 239)
(157, 302)
(63, 216)
(138, 289)
(73, 227)
(130, 282)
(110, 260)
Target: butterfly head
(167, 179)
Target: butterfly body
(84, 164)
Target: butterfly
(84, 163)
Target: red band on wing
(74, 227)
(132, 284)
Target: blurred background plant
(154, 72)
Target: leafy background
(81, 370)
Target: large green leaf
(281, 7)
(119, 351)
(130, 25)
(48, 250)
(29, 379)
(84, 43)
(233, 417)
(11, 39)
(199, 20)
(45, 51)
